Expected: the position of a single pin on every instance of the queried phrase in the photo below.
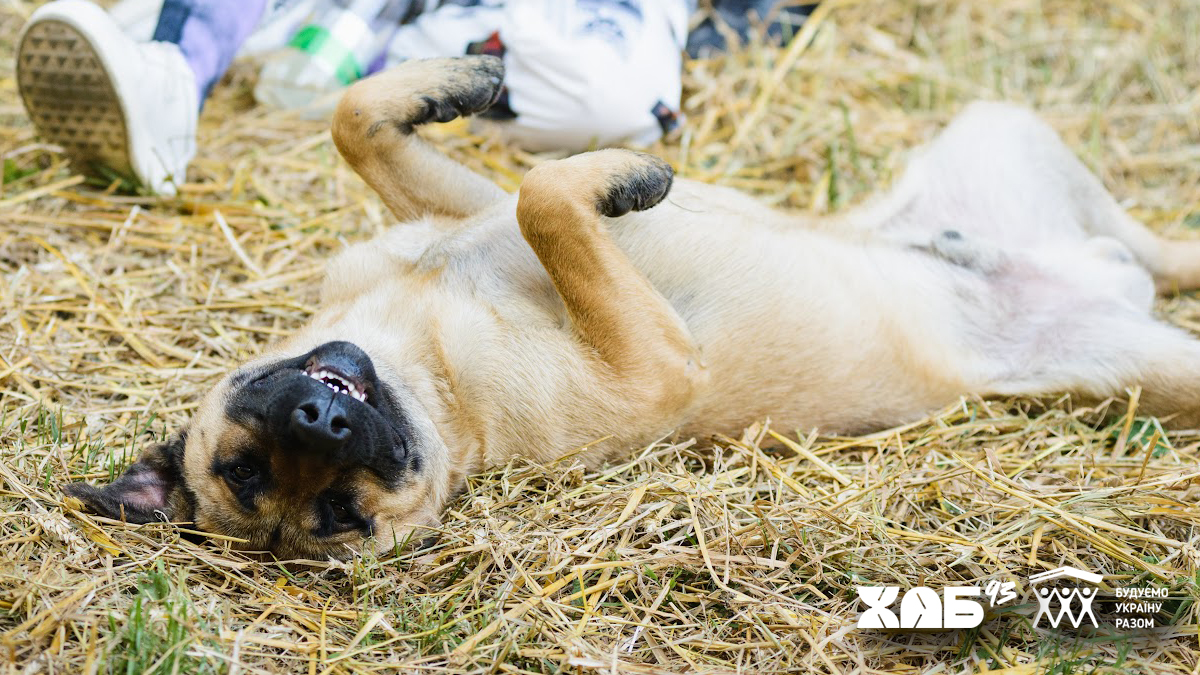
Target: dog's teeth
(338, 384)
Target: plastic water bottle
(330, 52)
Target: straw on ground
(707, 555)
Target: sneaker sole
(70, 97)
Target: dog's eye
(242, 472)
(342, 514)
(338, 513)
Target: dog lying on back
(587, 312)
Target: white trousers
(580, 73)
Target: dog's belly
(796, 326)
(815, 330)
(804, 328)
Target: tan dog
(574, 315)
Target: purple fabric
(377, 65)
(209, 33)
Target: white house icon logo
(1065, 597)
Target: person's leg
(578, 72)
(280, 20)
(739, 19)
(448, 30)
(209, 33)
(592, 73)
(122, 108)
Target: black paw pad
(637, 189)
(471, 87)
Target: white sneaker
(110, 102)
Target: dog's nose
(321, 424)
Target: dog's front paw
(415, 93)
(457, 87)
(641, 183)
(614, 182)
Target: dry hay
(720, 555)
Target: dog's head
(305, 456)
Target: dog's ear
(151, 489)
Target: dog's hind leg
(374, 124)
(644, 353)
(1107, 351)
(999, 172)
(1167, 364)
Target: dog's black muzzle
(328, 404)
